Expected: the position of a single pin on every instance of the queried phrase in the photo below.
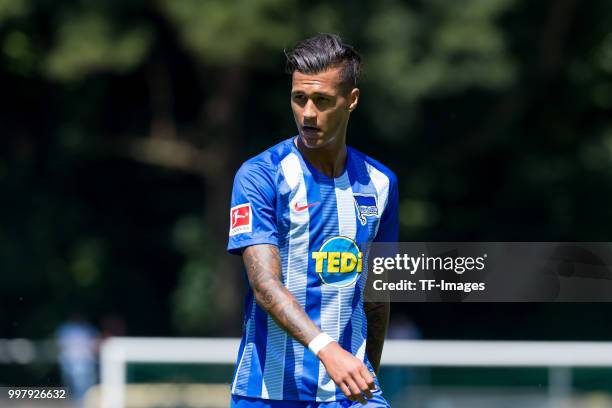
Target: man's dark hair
(322, 52)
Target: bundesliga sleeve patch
(240, 219)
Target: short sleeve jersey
(320, 225)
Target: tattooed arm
(263, 267)
(376, 307)
(377, 316)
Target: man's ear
(353, 99)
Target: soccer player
(301, 214)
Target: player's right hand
(348, 372)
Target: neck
(329, 160)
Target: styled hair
(322, 52)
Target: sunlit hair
(324, 51)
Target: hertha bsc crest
(366, 206)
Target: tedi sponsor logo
(338, 262)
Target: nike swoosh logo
(299, 208)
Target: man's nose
(310, 111)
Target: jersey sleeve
(388, 230)
(253, 209)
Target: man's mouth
(310, 129)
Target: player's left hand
(348, 372)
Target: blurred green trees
(124, 122)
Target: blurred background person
(397, 380)
(78, 346)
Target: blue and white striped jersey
(319, 224)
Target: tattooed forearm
(263, 267)
(377, 315)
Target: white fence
(559, 357)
